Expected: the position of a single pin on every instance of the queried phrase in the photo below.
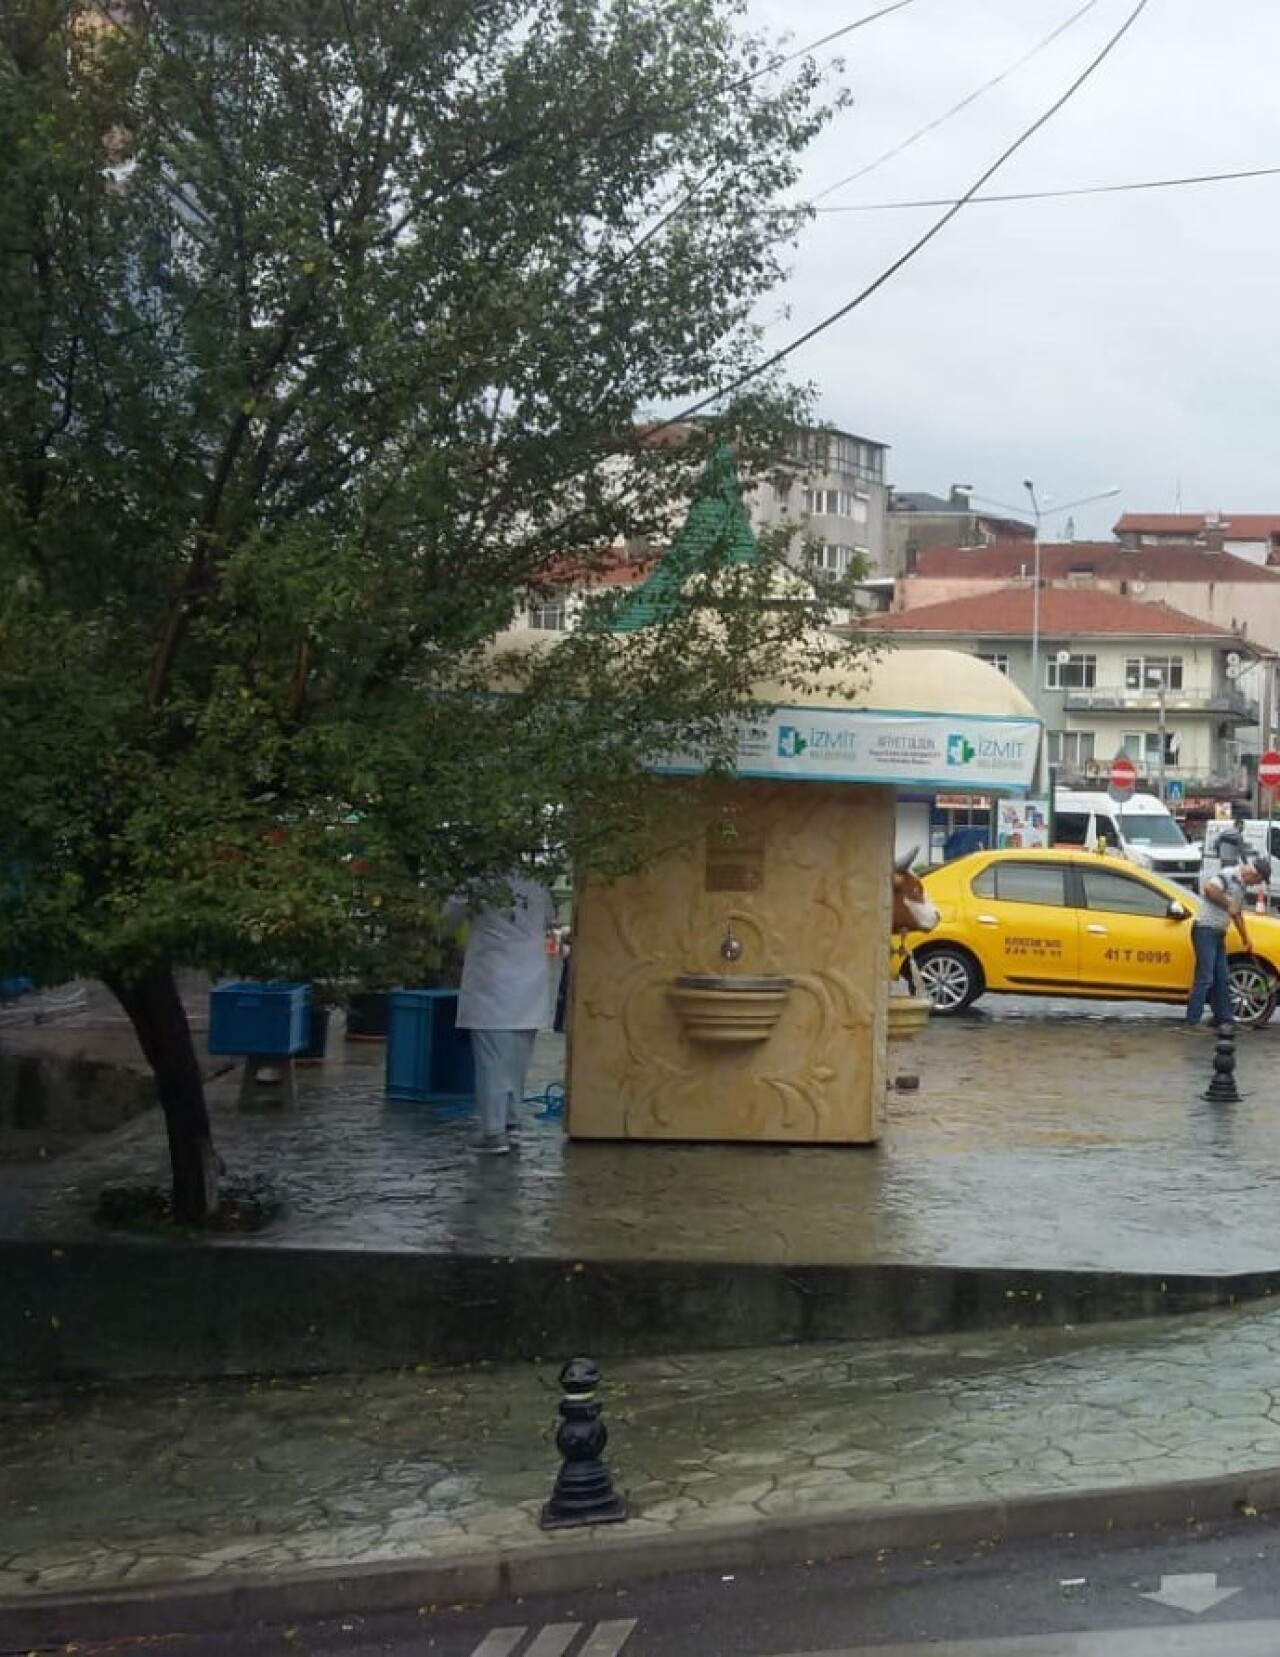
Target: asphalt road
(1199, 1591)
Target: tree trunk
(158, 1016)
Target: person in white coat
(505, 997)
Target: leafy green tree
(325, 329)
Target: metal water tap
(730, 946)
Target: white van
(1142, 829)
(1259, 834)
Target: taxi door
(1128, 944)
(1023, 927)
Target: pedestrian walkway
(1042, 1144)
(414, 1487)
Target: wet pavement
(109, 1488)
(1038, 1135)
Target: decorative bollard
(583, 1493)
(1222, 1089)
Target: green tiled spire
(716, 534)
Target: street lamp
(1155, 676)
(1038, 516)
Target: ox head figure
(912, 909)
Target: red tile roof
(616, 568)
(1105, 560)
(1236, 526)
(1069, 612)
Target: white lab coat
(506, 983)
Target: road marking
(499, 1642)
(608, 1638)
(554, 1640)
(1194, 1594)
(1224, 1639)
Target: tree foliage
(325, 329)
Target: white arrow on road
(1194, 1594)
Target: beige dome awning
(913, 719)
(915, 681)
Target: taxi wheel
(950, 976)
(1253, 992)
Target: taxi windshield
(1142, 829)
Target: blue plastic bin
(263, 1021)
(428, 1057)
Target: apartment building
(918, 521)
(1108, 674)
(829, 486)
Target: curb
(610, 1556)
(118, 1309)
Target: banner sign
(958, 753)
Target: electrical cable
(1055, 195)
(921, 242)
(835, 34)
(955, 109)
(690, 194)
(647, 117)
(515, 145)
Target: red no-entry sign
(1124, 777)
(1269, 769)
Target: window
(834, 452)
(1023, 883)
(1071, 828)
(1150, 828)
(1143, 748)
(1070, 748)
(1121, 894)
(836, 503)
(996, 659)
(834, 558)
(550, 615)
(1148, 673)
(1076, 673)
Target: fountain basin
(728, 1008)
(907, 1015)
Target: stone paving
(1078, 1140)
(1074, 1141)
(163, 1483)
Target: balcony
(1225, 782)
(1226, 702)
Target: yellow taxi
(1075, 923)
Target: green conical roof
(716, 535)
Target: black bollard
(1222, 1089)
(583, 1493)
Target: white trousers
(502, 1064)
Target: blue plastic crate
(428, 1057)
(265, 1021)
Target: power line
(1052, 195)
(955, 109)
(773, 64)
(922, 241)
(837, 34)
(657, 116)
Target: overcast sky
(1123, 340)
